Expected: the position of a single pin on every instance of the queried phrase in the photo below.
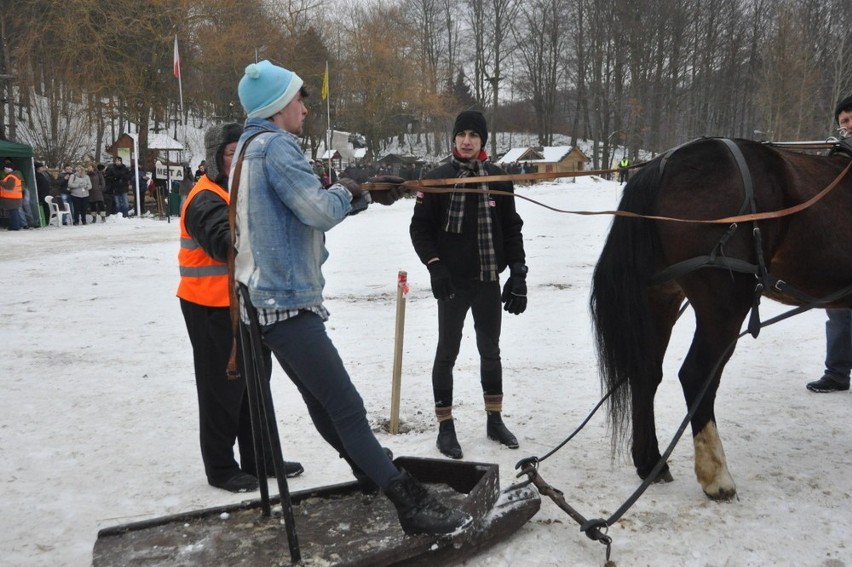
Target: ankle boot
(447, 442)
(498, 431)
(420, 512)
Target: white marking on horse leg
(711, 468)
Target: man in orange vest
(11, 195)
(204, 300)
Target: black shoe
(447, 442)
(827, 384)
(365, 483)
(291, 469)
(420, 512)
(240, 482)
(498, 431)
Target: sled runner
(337, 525)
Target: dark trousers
(838, 351)
(309, 358)
(79, 206)
(482, 299)
(223, 408)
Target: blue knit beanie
(266, 88)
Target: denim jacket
(282, 215)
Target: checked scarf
(455, 216)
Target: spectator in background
(185, 184)
(622, 170)
(79, 186)
(117, 177)
(11, 195)
(202, 169)
(96, 194)
(43, 186)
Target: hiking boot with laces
(420, 512)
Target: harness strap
(686, 266)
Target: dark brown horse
(636, 294)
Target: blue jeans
(838, 348)
(307, 355)
(121, 204)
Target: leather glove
(442, 281)
(351, 186)
(514, 296)
(390, 196)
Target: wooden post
(401, 292)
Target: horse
(649, 266)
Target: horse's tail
(625, 335)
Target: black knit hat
(215, 140)
(844, 105)
(471, 120)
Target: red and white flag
(177, 61)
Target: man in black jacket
(117, 177)
(466, 240)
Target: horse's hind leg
(664, 302)
(719, 316)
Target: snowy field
(98, 407)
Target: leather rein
(441, 186)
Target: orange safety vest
(203, 280)
(17, 192)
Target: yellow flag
(324, 92)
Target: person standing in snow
(117, 176)
(223, 408)
(838, 327)
(96, 195)
(283, 213)
(79, 186)
(466, 240)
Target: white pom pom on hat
(266, 88)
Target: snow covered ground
(98, 408)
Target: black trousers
(223, 408)
(482, 299)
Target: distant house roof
(158, 141)
(546, 154)
(331, 154)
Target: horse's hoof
(722, 494)
(664, 477)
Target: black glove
(514, 295)
(390, 196)
(351, 186)
(442, 281)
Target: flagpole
(178, 77)
(328, 118)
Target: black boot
(447, 442)
(420, 512)
(498, 431)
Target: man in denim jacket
(282, 215)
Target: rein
(439, 186)
(233, 305)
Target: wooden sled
(336, 525)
